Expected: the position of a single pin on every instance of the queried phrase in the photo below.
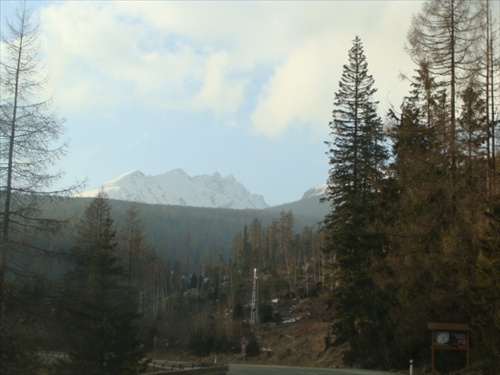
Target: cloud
(303, 85)
(300, 90)
(165, 54)
(218, 92)
(199, 56)
(101, 57)
(252, 31)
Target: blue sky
(243, 88)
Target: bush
(201, 343)
(266, 313)
(253, 348)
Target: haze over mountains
(176, 187)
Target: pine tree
(472, 122)
(419, 161)
(357, 158)
(257, 243)
(418, 213)
(486, 295)
(101, 308)
(143, 270)
(286, 247)
(134, 243)
(440, 172)
(446, 36)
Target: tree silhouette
(101, 307)
(357, 159)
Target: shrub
(253, 348)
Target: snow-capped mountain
(318, 191)
(178, 188)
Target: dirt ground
(300, 341)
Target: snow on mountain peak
(176, 187)
(315, 191)
(128, 175)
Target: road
(285, 370)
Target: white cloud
(101, 58)
(302, 87)
(203, 55)
(300, 90)
(218, 92)
(252, 31)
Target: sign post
(449, 336)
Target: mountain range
(176, 187)
(211, 209)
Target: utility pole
(254, 313)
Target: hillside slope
(298, 343)
(166, 226)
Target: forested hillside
(178, 233)
(414, 227)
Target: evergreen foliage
(412, 236)
(357, 158)
(440, 182)
(101, 308)
(419, 216)
(485, 305)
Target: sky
(236, 87)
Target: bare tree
(135, 244)
(488, 70)
(286, 246)
(30, 146)
(443, 34)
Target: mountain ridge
(176, 187)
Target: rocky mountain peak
(176, 187)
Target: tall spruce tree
(357, 158)
(101, 308)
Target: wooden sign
(449, 336)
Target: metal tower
(254, 312)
